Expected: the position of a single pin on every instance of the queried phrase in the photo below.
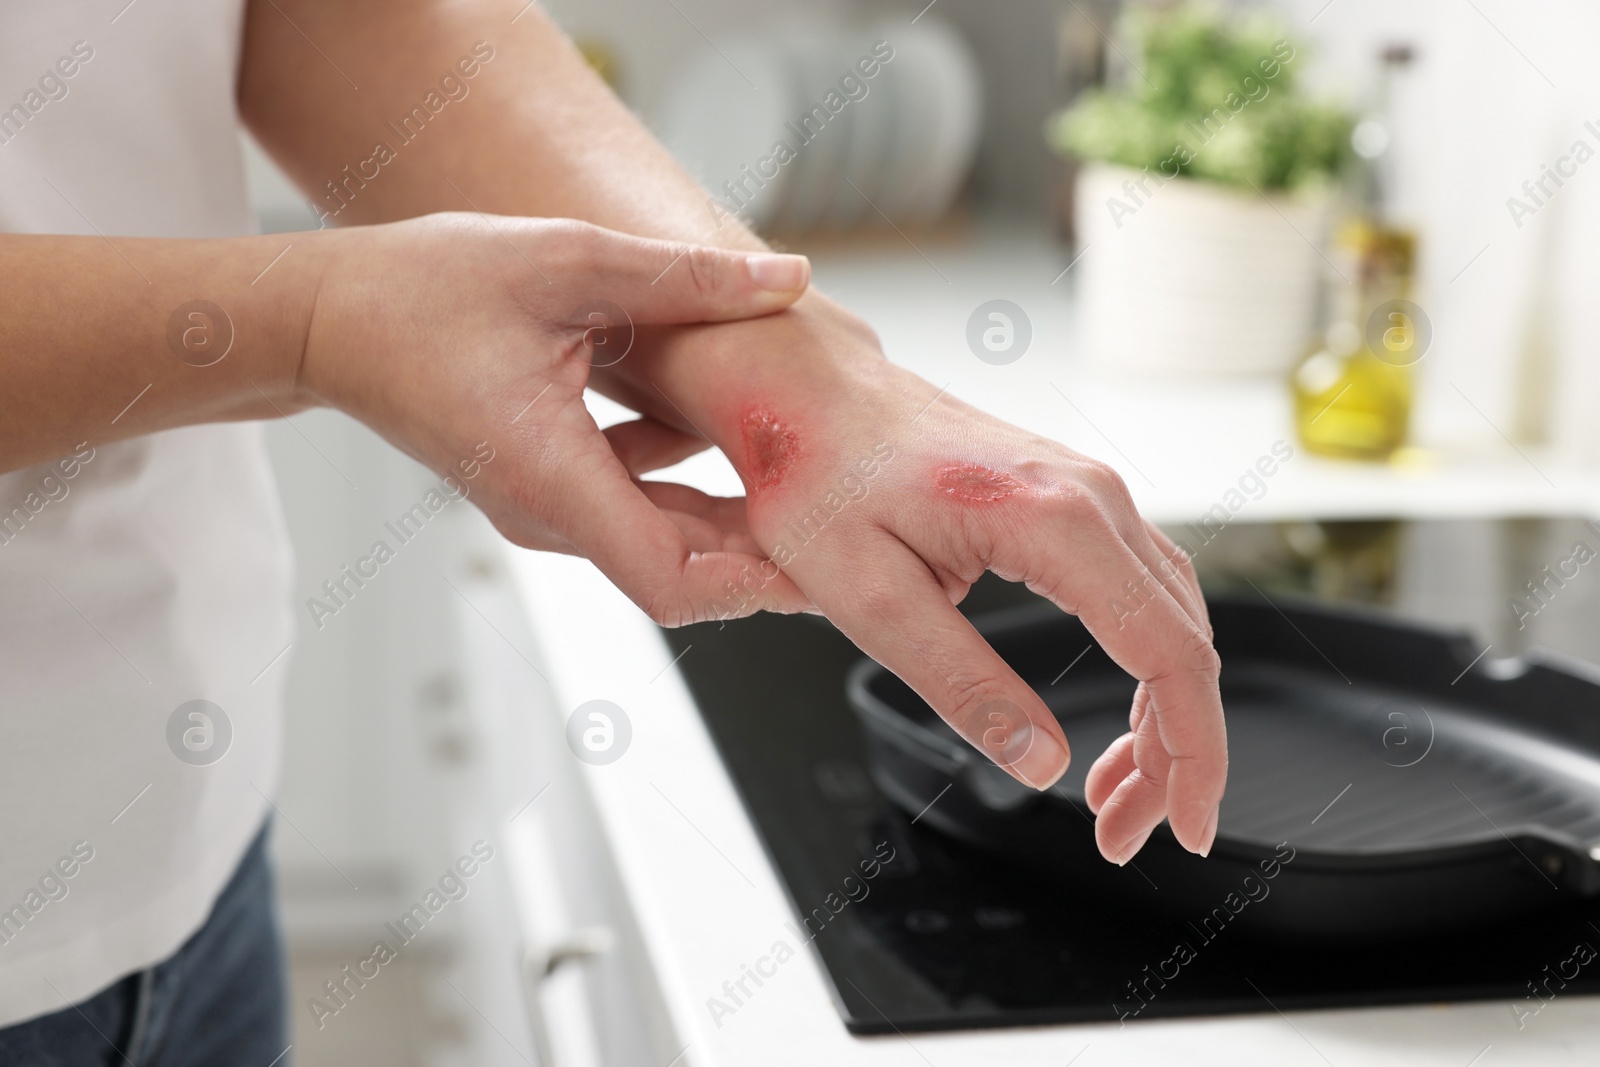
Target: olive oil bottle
(1353, 390)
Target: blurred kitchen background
(1352, 233)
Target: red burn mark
(971, 483)
(770, 448)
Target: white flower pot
(1190, 276)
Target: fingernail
(1131, 849)
(779, 273)
(1209, 837)
(1034, 756)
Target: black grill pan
(1379, 786)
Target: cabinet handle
(539, 963)
(586, 942)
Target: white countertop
(707, 900)
(1179, 443)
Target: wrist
(749, 385)
(711, 372)
(239, 313)
(326, 368)
(818, 356)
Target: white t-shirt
(134, 577)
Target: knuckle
(863, 332)
(980, 711)
(1175, 576)
(968, 693)
(1109, 486)
(1080, 506)
(576, 243)
(664, 607)
(705, 267)
(1201, 656)
(577, 232)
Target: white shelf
(1181, 444)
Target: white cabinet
(589, 991)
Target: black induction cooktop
(920, 932)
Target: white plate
(908, 149)
(872, 124)
(941, 67)
(815, 53)
(725, 113)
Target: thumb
(669, 282)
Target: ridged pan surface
(1402, 778)
(1396, 773)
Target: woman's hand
(882, 500)
(962, 492)
(871, 496)
(450, 330)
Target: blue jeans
(219, 1001)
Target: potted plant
(1202, 197)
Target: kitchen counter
(703, 898)
(1179, 443)
(706, 902)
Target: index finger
(895, 609)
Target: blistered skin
(973, 483)
(770, 448)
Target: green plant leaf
(1224, 91)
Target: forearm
(536, 133)
(532, 131)
(105, 343)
